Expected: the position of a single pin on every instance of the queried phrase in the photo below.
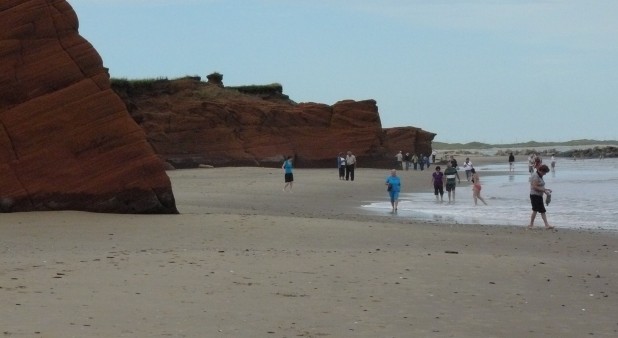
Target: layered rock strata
(189, 122)
(67, 141)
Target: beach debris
(451, 252)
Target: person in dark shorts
(350, 165)
(289, 176)
(451, 174)
(437, 179)
(537, 190)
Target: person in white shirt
(341, 165)
(399, 158)
(350, 165)
(468, 168)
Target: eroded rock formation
(189, 122)
(67, 141)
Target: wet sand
(244, 259)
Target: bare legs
(476, 194)
(533, 216)
(394, 203)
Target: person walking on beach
(399, 158)
(538, 161)
(537, 189)
(453, 162)
(406, 160)
(421, 161)
(433, 156)
(415, 161)
(437, 179)
(511, 162)
(341, 166)
(467, 166)
(553, 163)
(531, 163)
(288, 175)
(450, 175)
(393, 186)
(476, 187)
(350, 165)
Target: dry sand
(244, 259)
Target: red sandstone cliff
(66, 139)
(189, 122)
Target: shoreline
(244, 259)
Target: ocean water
(585, 196)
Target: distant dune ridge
(574, 148)
(66, 139)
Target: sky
(493, 71)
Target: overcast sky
(495, 71)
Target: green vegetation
(127, 87)
(136, 85)
(215, 77)
(122, 86)
(259, 89)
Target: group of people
(407, 161)
(450, 178)
(534, 161)
(441, 181)
(446, 180)
(346, 165)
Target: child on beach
(476, 187)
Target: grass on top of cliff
(197, 88)
(136, 85)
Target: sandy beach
(245, 259)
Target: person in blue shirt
(393, 184)
(289, 176)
